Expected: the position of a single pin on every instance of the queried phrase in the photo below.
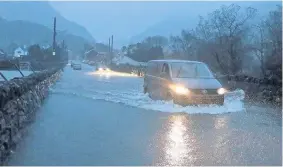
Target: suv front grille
(208, 91)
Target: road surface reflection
(178, 142)
(111, 73)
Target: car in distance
(102, 68)
(184, 82)
(72, 64)
(77, 66)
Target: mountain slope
(27, 33)
(189, 18)
(41, 13)
(166, 28)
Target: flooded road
(106, 120)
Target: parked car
(72, 64)
(77, 66)
(184, 82)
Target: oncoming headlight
(180, 89)
(100, 69)
(221, 91)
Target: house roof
(2, 52)
(22, 48)
(89, 51)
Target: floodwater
(97, 119)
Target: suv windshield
(190, 70)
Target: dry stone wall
(20, 98)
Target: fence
(12, 66)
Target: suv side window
(165, 69)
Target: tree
(124, 49)
(274, 30)
(145, 50)
(184, 45)
(224, 34)
(260, 45)
(267, 43)
(35, 52)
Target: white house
(2, 53)
(20, 52)
(45, 46)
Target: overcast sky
(126, 19)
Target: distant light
(111, 73)
(53, 53)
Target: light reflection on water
(178, 142)
(111, 73)
(220, 144)
(220, 122)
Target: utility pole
(111, 49)
(64, 53)
(54, 37)
(109, 46)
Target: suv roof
(175, 61)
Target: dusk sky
(126, 19)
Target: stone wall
(20, 98)
(256, 89)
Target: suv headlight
(221, 91)
(180, 89)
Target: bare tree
(184, 45)
(260, 45)
(274, 28)
(224, 31)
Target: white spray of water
(128, 91)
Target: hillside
(189, 18)
(27, 33)
(41, 13)
(166, 28)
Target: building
(19, 52)
(2, 54)
(97, 57)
